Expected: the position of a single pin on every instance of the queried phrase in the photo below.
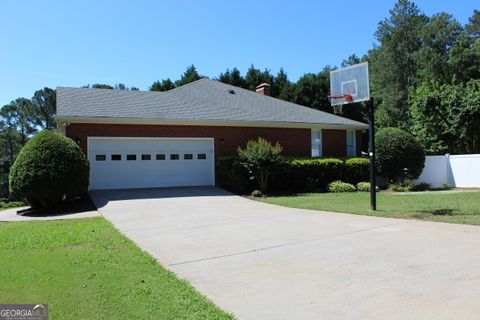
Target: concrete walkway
(261, 261)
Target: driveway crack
(288, 244)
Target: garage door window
(146, 157)
(174, 156)
(100, 157)
(160, 157)
(131, 157)
(116, 157)
(188, 156)
(201, 156)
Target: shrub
(308, 173)
(340, 186)
(13, 204)
(356, 170)
(260, 158)
(256, 193)
(421, 187)
(49, 168)
(363, 186)
(293, 173)
(400, 187)
(447, 186)
(231, 175)
(396, 150)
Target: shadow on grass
(436, 212)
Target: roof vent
(231, 91)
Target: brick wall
(295, 142)
(334, 143)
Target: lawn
(452, 207)
(85, 269)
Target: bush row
(294, 173)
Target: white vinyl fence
(460, 171)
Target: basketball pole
(371, 153)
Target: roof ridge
(188, 84)
(281, 100)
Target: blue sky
(73, 43)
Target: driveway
(261, 261)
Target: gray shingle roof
(203, 100)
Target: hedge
(294, 173)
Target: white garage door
(120, 163)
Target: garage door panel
(156, 172)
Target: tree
(464, 60)
(46, 107)
(120, 86)
(19, 115)
(438, 35)
(350, 61)
(10, 145)
(312, 90)
(190, 75)
(164, 85)
(396, 151)
(233, 78)
(260, 158)
(99, 86)
(473, 25)
(393, 65)
(446, 117)
(255, 76)
(282, 87)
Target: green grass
(85, 269)
(458, 207)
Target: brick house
(137, 139)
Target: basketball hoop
(338, 100)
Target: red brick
(295, 142)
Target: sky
(74, 43)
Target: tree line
(424, 74)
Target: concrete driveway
(261, 261)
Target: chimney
(264, 89)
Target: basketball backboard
(351, 81)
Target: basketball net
(338, 101)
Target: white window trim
(354, 142)
(316, 133)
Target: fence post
(447, 167)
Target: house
(136, 139)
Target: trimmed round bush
(256, 193)
(48, 169)
(363, 186)
(395, 150)
(340, 186)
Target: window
(201, 156)
(188, 156)
(174, 156)
(160, 156)
(316, 142)
(131, 157)
(100, 157)
(350, 143)
(116, 157)
(146, 157)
